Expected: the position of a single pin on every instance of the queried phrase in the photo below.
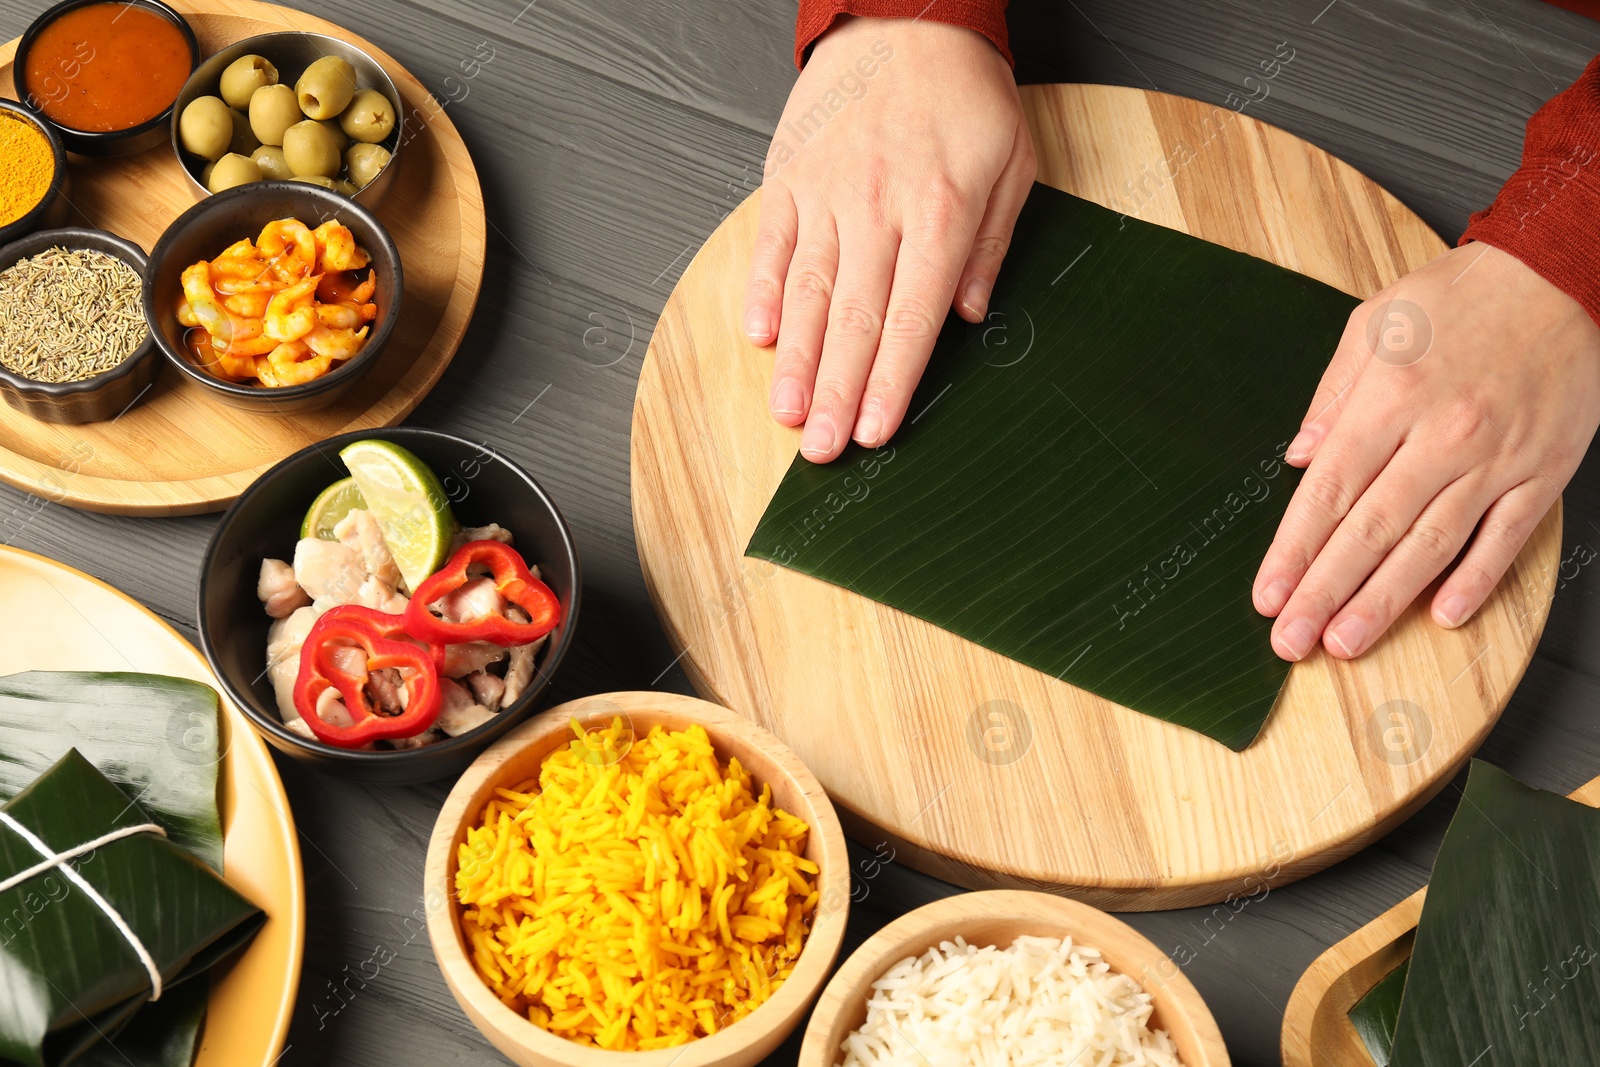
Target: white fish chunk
(458, 712)
(278, 590)
(360, 532)
(469, 657)
(492, 532)
(520, 671)
(487, 689)
(329, 570)
(476, 599)
(381, 595)
(284, 639)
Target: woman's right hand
(891, 188)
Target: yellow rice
(641, 897)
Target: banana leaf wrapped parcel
(100, 914)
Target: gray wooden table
(611, 137)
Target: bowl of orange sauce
(106, 73)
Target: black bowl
(265, 521)
(147, 134)
(218, 221)
(52, 210)
(105, 395)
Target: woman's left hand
(1461, 397)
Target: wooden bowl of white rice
(1010, 978)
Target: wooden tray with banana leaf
(1343, 1010)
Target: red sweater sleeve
(988, 17)
(1548, 214)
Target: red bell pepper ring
(374, 632)
(512, 580)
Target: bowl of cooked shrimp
(274, 296)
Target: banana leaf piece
(67, 976)
(154, 736)
(1375, 1014)
(1505, 971)
(1087, 481)
(163, 1034)
(157, 738)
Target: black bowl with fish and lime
(74, 345)
(266, 522)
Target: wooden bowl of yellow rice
(638, 879)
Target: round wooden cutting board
(178, 451)
(987, 773)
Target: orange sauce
(105, 67)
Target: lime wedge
(408, 502)
(331, 505)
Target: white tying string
(54, 859)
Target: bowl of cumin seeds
(74, 344)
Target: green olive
(272, 111)
(348, 188)
(232, 169)
(206, 127)
(309, 148)
(336, 133)
(365, 161)
(315, 179)
(244, 138)
(273, 166)
(369, 118)
(242, 77)
(326, 87)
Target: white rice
(1042, 1002)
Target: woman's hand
(1462, 396)
(891, 187)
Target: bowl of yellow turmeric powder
(35, 175)
(637, 879)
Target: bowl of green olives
(290, 107)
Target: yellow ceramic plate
(57, 619)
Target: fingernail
(787, 399)
(870, 425)
(1296, 638)
(1349, 636)
(1453, 612)
(1300, 448)
(975, 299)
(818, 438)
(758, 325)
(1275, 596)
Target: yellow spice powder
(30, 164)
(639, 896)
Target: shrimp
(291, 313)
(289, 248)
(241, 274)
(252, 305)
(336, 344)
(338, 316)
(291, 363)
(336, 247)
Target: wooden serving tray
(987, 773)
(178, 451)
(1317, 1031)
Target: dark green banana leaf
(157, 738)
(1087, 481)
(163, 1034)
(1505, 971)
(68, 978)
(154, 736)
(1375, 1014)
